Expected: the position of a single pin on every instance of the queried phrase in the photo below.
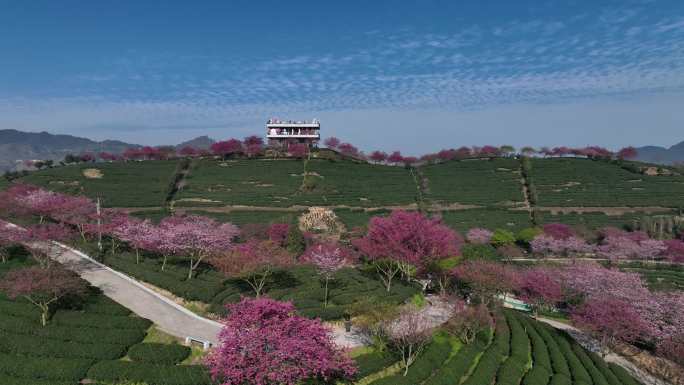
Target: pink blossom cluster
(572, 246)
(265, 342)
(630, 247)
(479, 235)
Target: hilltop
(661, 155)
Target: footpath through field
(166, 314)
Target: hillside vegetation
(467, 193)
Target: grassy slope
(584, 182)
(130, 184)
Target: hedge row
(86, 320)
(489, 363)
(19, 309)
(432, 358)
(370, 363)
(158, 353)
(42, 347)
(622, 374)
(9, 380)
(538, 375)
(104, 305)
(65, 333)
(560, 379)
(597, 377)
(558, 363)
(459, 365)
(151, 374)
(540, 353)
(602, 366)
(44, 368)
(514, 368)
(577, 370)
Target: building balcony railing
(276, 136)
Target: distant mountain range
(661, 155)
(17, 146)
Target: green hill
(467, 193)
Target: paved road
(166, 314)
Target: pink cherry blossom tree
(227, 147)
(395, 157)
(139, 235)
(253, 261)
(627, 153)
(468, 320)
(328, 258)
(674, 250)
(41, 287)
(332, 142)
(540, 287)
(265, 342)
(409, 334)
(558, 230)
(546, 245)
(479, 235)
(298, 150)
(277, 232)
(7, 240)
(378, 156)
(38, 240)
(197, 237)
(486, 280)
(405, 241)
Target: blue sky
(409, 75)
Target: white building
(281, 133)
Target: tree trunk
(44, 312)
(325, 301)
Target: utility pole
(99, 224)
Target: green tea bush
(472, 251)
(577, 370)
(603, 367)
(458, 365)
(502, 237)
(622, 374)
(560, 379)
(430, 360)
(151, 374)
(538, 375)
(558, 362)
(44, 368)
(486, 369)
(597, 377)
(511, 372)
(41, 347)
(86, 320)
(168, 354)
(9, 380)
(370, 363)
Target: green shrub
(602, 366)
(295, 241)
(326, 314)
(370, 363)
(558, 362)
(9, 380)
(486, 369)
(511, 372)
(152, 353)
(474, 251)
(597, 377)
(525, 236)
(44, 368)
(560, 379)
(458, 366)
(432, 358)
(622, 375)
(577, 370)
(502, 237)
(42, 347)
(540, 354)
(117, 371)
(82, 319)
(538, 375)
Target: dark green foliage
(123, 184)
(560, 379)
(511, 372)
(538, 375)
(44, 368)
(490, 218)
(9, 380)
(585, 182)
(622, 375)
(116, 371)
(19, 344)
(373, 362)
(476, 251)
(486, 369)
(106, 321)
(603, 367)
(295, 241)
(577, 370)
(428, 362)
(479, 182)
(525, 236)
(597, 377)
(458, 366)
(158, 353)
(558, 363)
(540, 354)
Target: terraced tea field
(97, 339)
(490, 218)
(520, 351)
(279, 183)
(493, 182)
(119, 184)
(589, 183)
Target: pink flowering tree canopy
(406, 241)
(486, 280)
(479, 235)
(408, 334)
(38, 241)
(540, 287)
(265, 342)
(328, 258)
(546, 245)
(227, 147)
(41, 287)
(332, 142)
(253, 261)
(468, 320)
(197, 238)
